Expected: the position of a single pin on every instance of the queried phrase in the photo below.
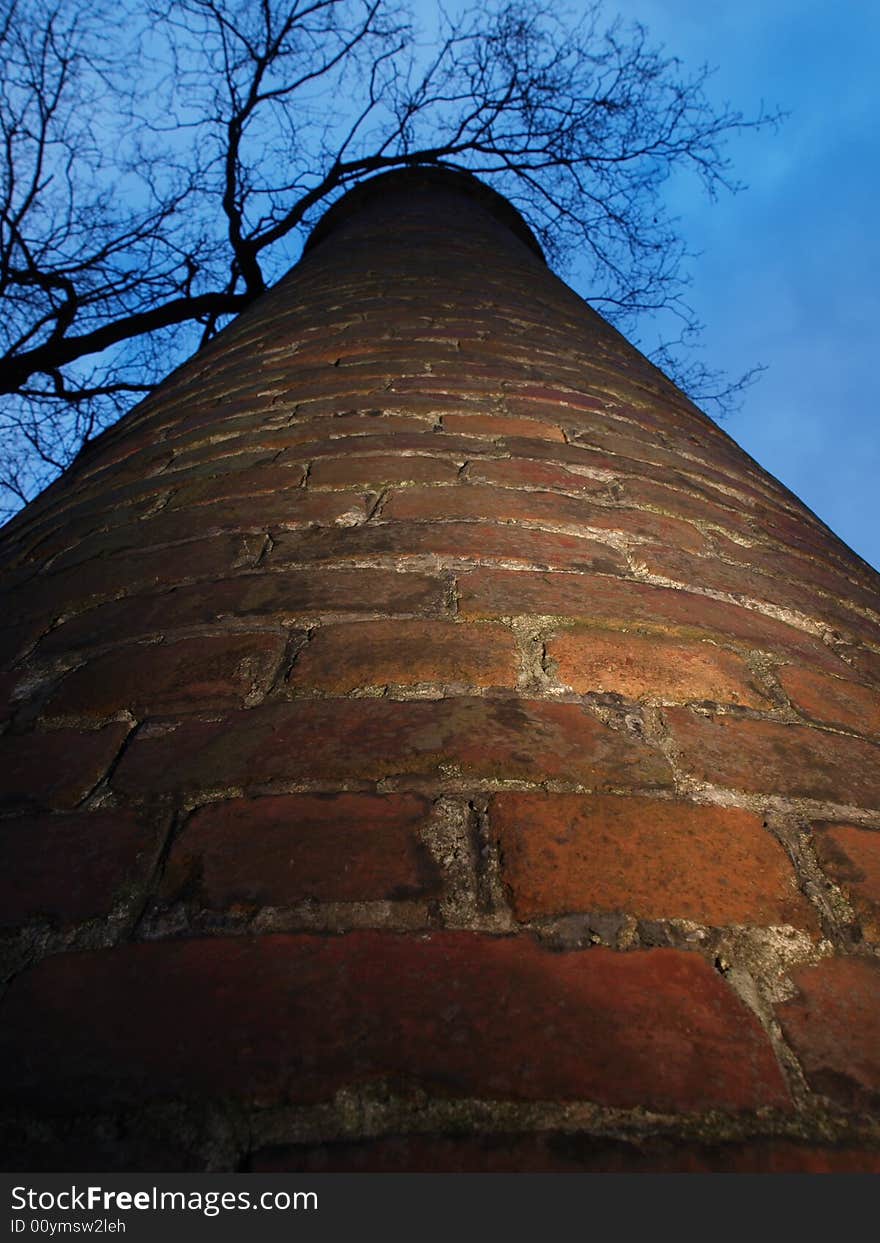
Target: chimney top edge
(421, 177)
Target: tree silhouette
(162, 163)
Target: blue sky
(788, 274)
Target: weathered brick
(207, 672)
(547, 508)
(342, 657)
(276, 597)
(372, 739)
(463, 1015)
(277, 851)
(822, 574)
(130, 573)
(771, 758)
(850, 855)
(502, 425)
(682, 501)
(466, 541)
(56, 769)
(831, 699)
(70, 868)
(457, 448)
(379, 468)
(747, 583)
(525, 472)
(233, 482)
(281, 510)
(637, 667)
(613, 602)
(644, 857)
(833, 1024)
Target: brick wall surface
(429, 742)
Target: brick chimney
(430, 743)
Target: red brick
(596, 442)
(682, 502)
(832, 700)
(547, 508)
(277, 851)
(613, 602)
(70, 868)
(469, 541)
(717, 575)
(560, 1152)
(645, 857)
(381, 468)
(458, 448)
(524, 472)
(56, 769)
(284, 510)
(799, 569)
(373, 739)
(207, 672)
(403, 653)
(293, 508)
(636, 667)
(770, 758)
(851, 856)
(128, 573)
(299, 1017)
(867, 663)
(834, 1026)
(277, 597)
(234, 483)
(501, 425)
(308, 430)
(532, 396)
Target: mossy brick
(70, 868)
(458, 1014)
(768, 757)
(850, 855)
(832, 700)
(645, 857)
(343, 657)
(273, 598)
(457, 541)
(55, 769)
(833, 1024)
(610, 661)
(210, 671)
(372, 740)
(287, 849)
